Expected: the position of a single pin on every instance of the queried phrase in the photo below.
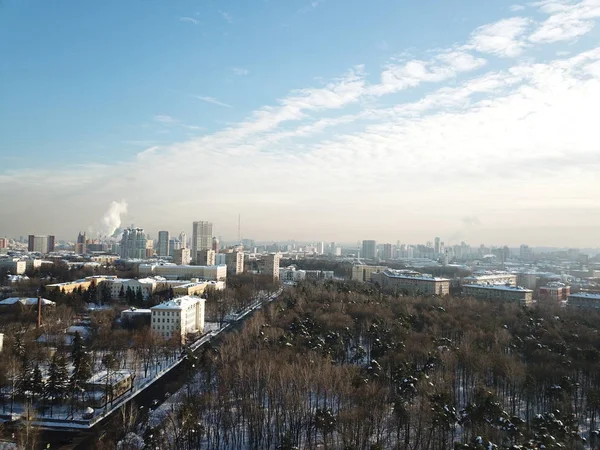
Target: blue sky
(317, 110)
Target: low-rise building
(178, 317)
(397, 280)
(554, 292)
(584, 300)
(363, 272)
(107, 386)
(507, 293)
(197, 287)
(13, 265)
(184, 272)
(84, 283)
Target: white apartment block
(146, 285)
(13, 265)
(178, 317)
(183, 272)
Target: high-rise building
(183, 239)
(320, 248)
(205, 258)
(271, 265)
(37, 243)
(3, 242)
(216, 245)
(369, 249)
(387, 252)
(80, 246)
(133, 244)
(235, 262)
(163, 243)
(436, 248)
(182, 256)
(174, 244)
(51, 243)
(202, 234)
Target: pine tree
(139, 297)
(122, 293)
(129, 296)
(37, 382)
(24, 382)
(58, 379)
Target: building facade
(515, 294)
(554, 293)
(162, 248)
(235, 262)
(183, 272)
(178, 317)
(270, 265)
(205, 257)
(394, 280)
(202, 234)
(133, 244)
(363, 272)
(584, 300)
(182, 256)
(387, 252)
(37, 244)
(369, 249)
(80, 246)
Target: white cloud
(189, 20)
(568, 20)
(503, 38)
(516, 8)
(494, 139)
(225, 15)
(213, 101)
(239, 71)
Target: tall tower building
(436, 247)
(202, 234)
(133, 244)
(369, 249)
(51, 243)
(387, 252)
(80, 246)
(37, 243)
(183, 239)
(163, 243)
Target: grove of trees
(338, 367)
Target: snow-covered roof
(178, 303)
(498, 287)
(115, 377)
(25, 301)
(588, 295)
(411, 275)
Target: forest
(342, 366)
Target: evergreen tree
(37, 382)
(139, 297)
(105, 293)
(129, 296)
(122, 293)
(58, 379)
(24, 382)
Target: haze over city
(331, 120)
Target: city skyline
(331, 120)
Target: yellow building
(197, 288)
(363, 272)
(83, 283)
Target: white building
(184, 272)
(13, 265)
(202, 234)
(133, 244)
(146, 285)
(178, 317)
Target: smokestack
(39, 314)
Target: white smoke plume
(112, 218)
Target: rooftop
(178, 303)
(588, 295)
(411, 275)
(499, 287)
(25, 301)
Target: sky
(313, 120)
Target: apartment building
(416, 284)
(584, 300)
(506, 293)
(183, 272)
(178, 317)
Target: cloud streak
(213, 101)
(468, 128)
